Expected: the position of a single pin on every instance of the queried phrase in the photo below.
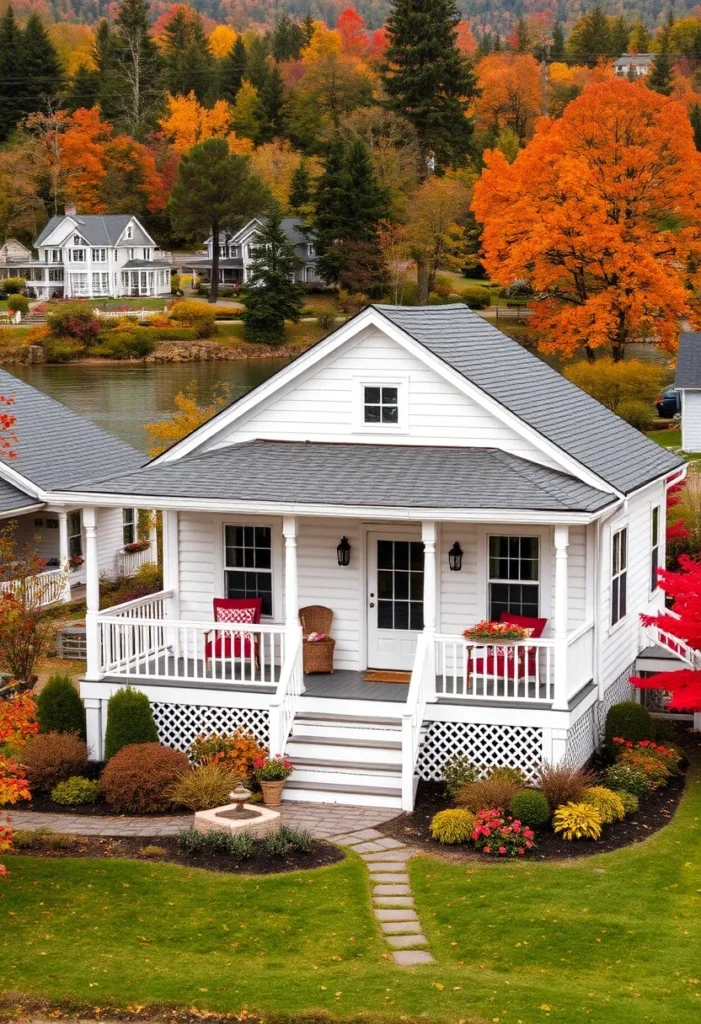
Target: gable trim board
(461, 321)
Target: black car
(669, 403)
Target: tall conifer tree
(233, 69)
(139, 70)
(11, 71)
(427, 79)
(272, 295)
(41, 67)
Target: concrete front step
(329, 793)
(361, 755)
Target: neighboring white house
(55, 448)
(236, 249)
(633, 64)
(688, 382)
(92, 256)
(416, 471)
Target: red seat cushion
(526, 622)
(233, 609)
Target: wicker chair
(317, 654)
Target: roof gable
(688, 373)
(97, 229)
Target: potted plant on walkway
(271, 773)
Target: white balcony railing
(130, 561)
(521, 671)
(43, 589)
(285, 704)
(139, 640)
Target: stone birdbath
(238, 816)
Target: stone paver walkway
(322, 820)
(392, 898)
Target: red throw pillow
(526, 622)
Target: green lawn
(667, 438)
(614, 939)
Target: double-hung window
(248, 563)
(514, 576)
(381, 404)
(128, 526)
(99, 255)
(77, 255)
(619, 575)
(75, 534)
(654, 547)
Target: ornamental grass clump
(487, 793)
(608, 804)
(531, 807)
(217, 843)
(204, 786)
(452, 826)
(499, 835)
(458, 771)
(577, 821)
(563, 783)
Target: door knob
(372, 604)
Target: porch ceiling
(369, 475)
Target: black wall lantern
(455, 558)
(343, 551)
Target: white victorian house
(236, 254)
(92, 256)
(414, 472)
(55, 448)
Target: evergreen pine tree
(84, 89)
(190, 64)
(426, 78)
(308, 29)
(590, 39)
(257, 63)
(557, 48)
(640, 39)
(660, 78)
(273, 97)
(695, 118)
(41, 68)
(619, 32)
(233, 70)
(288, 38)
(301, 192)
(139, 70)
(497, 43)
(484, 47)
(272, 295)
(11, 71)
(523, 36)
(107, 60)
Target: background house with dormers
(92, 256)
(236, 253)
(414, 472)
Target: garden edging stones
(386, 860)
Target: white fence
(129, 561)
(41, 590)
(119, 314)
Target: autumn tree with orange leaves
(601, 212)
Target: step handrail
(412, 722)
(290, 688)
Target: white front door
(395, 599)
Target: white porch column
(428, 536)
(560, 617)
(93, 728)
(289, 532)
(92, 594)
(171, 567)
(63, 553)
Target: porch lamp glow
(343, 552)
(455, 558)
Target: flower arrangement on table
(486, 632)
(273, 769)
(500, 835)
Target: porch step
(333, 752)
(358, 796)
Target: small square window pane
(372, 396)
(416, 616)
(401, 585)
(262, 536)
(401, 614)
(384, 554)
(262, 558)
(384, 615)
(372, 414)
(417, 586)
(390, 414)
(389, 396)
(401, 554)
(416, 555)
(249, 558)
(384, 584)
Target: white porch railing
(130, 561)
(412, 720)
(285, 704)
(43, 589)
(522, 671)
(139, 640)
(689, 655)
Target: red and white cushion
(237, 615)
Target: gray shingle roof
(145, 265)
(56, 448)
(13, 499)
(99, 229)
(362, 474)
(537, 394)
(688, 373)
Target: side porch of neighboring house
(407, 690)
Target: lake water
(122, 398)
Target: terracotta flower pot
(272, 792)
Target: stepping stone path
(393, 902)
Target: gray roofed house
(97, 228)
(687, 381)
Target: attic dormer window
(76, 239)
(381, 404)
(130, 232)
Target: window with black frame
(514, 576)
(381, 405)
(655, 548)
(619, 575)
(128, 526)
(75, 534)
(248, 564)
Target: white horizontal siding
(110, 539)
(198, 536)
(41, 539)
(691, 421)
(320, 406)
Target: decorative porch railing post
(292, 623)
(428, 536)
(63, 553)
(561, 616)
(171, 577)
(92, 595)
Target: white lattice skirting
(619, 690)
(485, 745)
(581, 741)
(179, 724)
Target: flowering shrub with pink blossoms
(500, 835)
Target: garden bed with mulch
(167, 850)
(655, 812)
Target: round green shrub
(62, 350)
(59, 707)
(13, 285)
(630, 802)
(630, 720)
(476, 297)
(531, 807)
(626, 778)
(458, 771)
(18, 302)
(76, 790)
(132, 344)
(129, 721)
(452, 826)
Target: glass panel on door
(400, 584)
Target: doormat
(382, 676)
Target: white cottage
(688, 383)
(414, 472)
(236, 253)
(55, 448)
(92, 256)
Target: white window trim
(79, 534)
(131, 524)
(615, 528)
(654, 584)
(382, 380)
(275, 526)
(516, 532)
(546, 581)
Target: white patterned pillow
(237, 615)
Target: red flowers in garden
(504, 836)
